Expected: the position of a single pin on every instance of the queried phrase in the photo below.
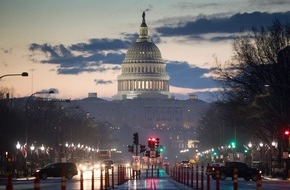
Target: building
(145, 105)
(143, 70)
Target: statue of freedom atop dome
(143, 15)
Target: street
(164, 182)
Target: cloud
(101, 45)
(233, 24)
(100, 81)
(183, 75)
(82, 57)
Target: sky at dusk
(77, 46)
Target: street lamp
(23, 74)
(272, 156)
(27, 115)
(26, 107)
(250, 145)
(261, 156)
(18, 146)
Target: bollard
(130, 173)
(118, 173)
(183, 175)
(218, 179)
(259, 182)
(36, 182)
(81, 181)
(202, 179)
(157, 173)
(178, 173)
(101, 178)
(113, 186)
(63, 184)
(124, 174)
(196, 176)
(235, 176)
(175, 171)
(207, 177)
(187, 176)
(192, 175)
(93, 179)
(106, 177)
(9, 185)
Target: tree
(258, 78)
(10, 119)
(221, 125)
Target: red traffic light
(287, 132)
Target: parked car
(213, 167)
(57, 170)
(244, 171)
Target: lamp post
(250, 145)
(23, 74)
(272, 157)
(18, 146)
(261, 155)
(27, 107)
(32, 148)
(27, 115)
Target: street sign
(136, 164)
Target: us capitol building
(144, 104)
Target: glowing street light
(18, 146)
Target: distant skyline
(77, 47)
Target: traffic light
(130, 148)
(157, 153)
(161, 148)
(135, 138)
(157, 142)
(151, 143)
(142, 148)
(232, 145)
(286, 140)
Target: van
(57, 170)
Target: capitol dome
(145, 51)
(143, 70)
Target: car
(108, 163)
(244, 171)
(57, 169)
(213, 167)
